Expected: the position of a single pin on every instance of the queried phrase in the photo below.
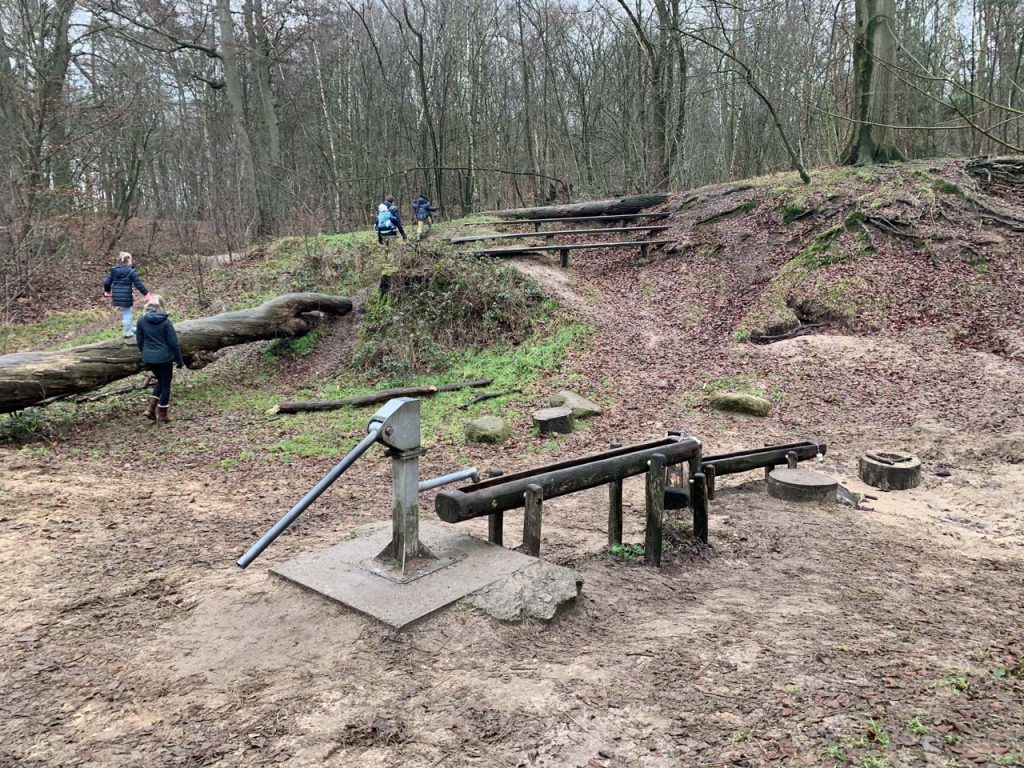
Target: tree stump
(890, 470)
(801, 485)
(558, 420)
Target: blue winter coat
(119, 285)
(395, 211)
(156, 338)
(422, 207)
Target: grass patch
(630, 553)
(59, 326)
(292, 348)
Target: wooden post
(709, 474)
(614, 507)
(699, 500)
(655, 510)
(614, 513)
(549, 239)
(563, 255)
(536, 226)
(496, 528)
(532, 519)
(645, 251)
(791, 459)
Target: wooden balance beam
(537, 222)
(563, 250)
(549, 235)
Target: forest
(214, 124)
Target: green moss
(949, 188)
(794, 208)
(822, 250)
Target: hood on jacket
(122, 271)
(155, 318)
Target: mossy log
(34, 378)
(619, 205)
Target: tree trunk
(29, 378)
(874, 56)
(622, 205)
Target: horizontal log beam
(620, 205)
(507, 492)
(756, 458)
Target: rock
(580, 406)
(741, 403)
(536, 592)
(487, 429)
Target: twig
(488, 396)
(147, 382)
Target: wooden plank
(655, 510)
(551, 233)
(534, 503)
(562, 246)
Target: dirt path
(811, 635)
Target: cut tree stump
(31, 378)
(801, 485)
(890, 470)
(558, 420)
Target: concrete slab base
(348, 574)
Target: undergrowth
(435, 304)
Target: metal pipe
(451, 477)
(256, 549)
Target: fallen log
(380, 396)
(620, 205)
(29, 378)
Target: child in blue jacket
(118, 288)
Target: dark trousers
(401, 231)
(163, 373)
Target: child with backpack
(396, 214)
(385, 226)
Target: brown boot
(151, 407)
(161, 413)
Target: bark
(620, 205)
(29, 378)
(874, 56)
(382, 396)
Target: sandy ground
(813, 635)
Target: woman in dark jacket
(159, 346)
(118, 287)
